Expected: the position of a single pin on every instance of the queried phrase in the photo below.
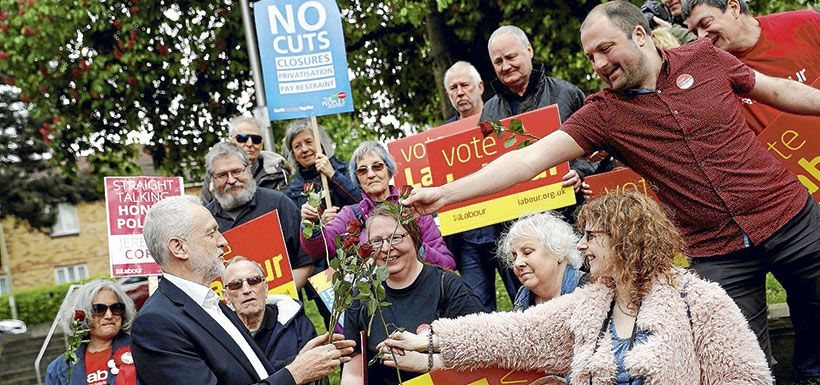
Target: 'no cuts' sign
(304, 64)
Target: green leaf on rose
(510, 142)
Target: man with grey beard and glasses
(237, 200)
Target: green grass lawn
(774, 294)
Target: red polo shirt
(690, 140)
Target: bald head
(623, 15)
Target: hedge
(35, 306)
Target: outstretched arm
(511, 168)
(786, 95)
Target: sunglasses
(242, 138)
(100, 309)
(252, 281)
(376, 167)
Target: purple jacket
(433, 248)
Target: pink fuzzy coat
(559, 337)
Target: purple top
(433, 249)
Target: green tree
(29, 186)
(171, 73)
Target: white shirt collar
(200, 294)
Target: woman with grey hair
(105, 313)
(371, 168)
(299, 147)
(540, 248)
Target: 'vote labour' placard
(410, 153)
(261, 240)
(795, 141)
(461, 154)
(127, 200)
(304, 64)
(486, 376)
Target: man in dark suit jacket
(184, 335)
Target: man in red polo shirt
(674, 117)
(783, 45)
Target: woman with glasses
(540, 248)
(299, 146)
(418, 294)
(371, 168)
(640, 321)
(105, 314)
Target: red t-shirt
(688, 138)
(96, 367)
(788, 47)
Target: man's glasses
(252, 281)
(394, 239)
(376, 167)
(242, 138)
(99, 309)
(223, 176)
(590, 235)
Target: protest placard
(261, 240)
(489, 376)
(461, 154)
(795, 141)
(617, 181)
(322, 282)
(410, 153)
(127, 200)
(304, 64)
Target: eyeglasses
(590, 235)
(223, 176)
(252, 281)
(242, 138)
(376, 167)
(394, 239)
(100, 309)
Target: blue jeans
(478, 266)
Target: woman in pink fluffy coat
(639, 321)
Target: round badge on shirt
(685, 81)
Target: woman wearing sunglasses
(418, 294)
(106, 312)
(640, 321)
(299, 146)
(371, 169)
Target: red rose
(365, 250)
(350, 242)
(486, 128)
(405, 191)
(79, 315)
(307, 187)
(354, 227)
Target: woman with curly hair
(640, 320)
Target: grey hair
(557, 237)
(516, 32)
(236, 121)
(238, 259)
(297, 126)
(687, 5)
(365, 148)
(82, 298)
(473, 72)
(223, 149)
(168, 218)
